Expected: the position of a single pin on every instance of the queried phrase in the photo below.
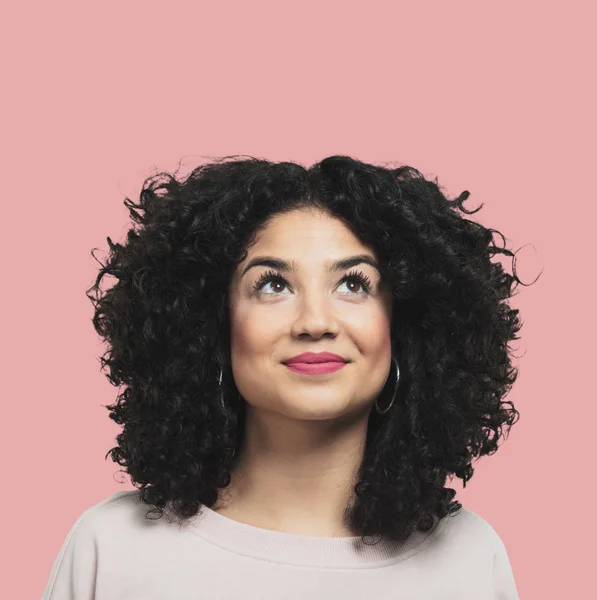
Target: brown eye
(269, 277)
(360, 278)
(275, 278)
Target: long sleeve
(73, 574)
(503, 576)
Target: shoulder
(468, 527)
(115, 507)
(117, 516)
(118, 524)
(98, 530)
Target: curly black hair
(166, 324)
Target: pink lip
(315, 357)
(316, 368)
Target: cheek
(381, 322)
(376, 350)
(374, 334)
(251, 336)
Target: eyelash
(271, 276)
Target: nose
(315, 317)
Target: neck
(295, 476)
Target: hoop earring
(222, 391)
(384, 411)
(221, 398)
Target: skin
(305, 434)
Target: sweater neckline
(304, 550)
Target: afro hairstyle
(165, 321)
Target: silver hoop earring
(222, 391)
(233, 453)
(384, 411)
(221, 395)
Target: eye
(274, 277)
(360, 278)
(269, 277)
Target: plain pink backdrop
(498, 99)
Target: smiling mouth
(320, 368)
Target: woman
(307, 355)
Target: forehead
(307, 233)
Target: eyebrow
(339, 265)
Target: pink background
(498, 99)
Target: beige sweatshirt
(112, 552)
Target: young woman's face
(309, 309)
